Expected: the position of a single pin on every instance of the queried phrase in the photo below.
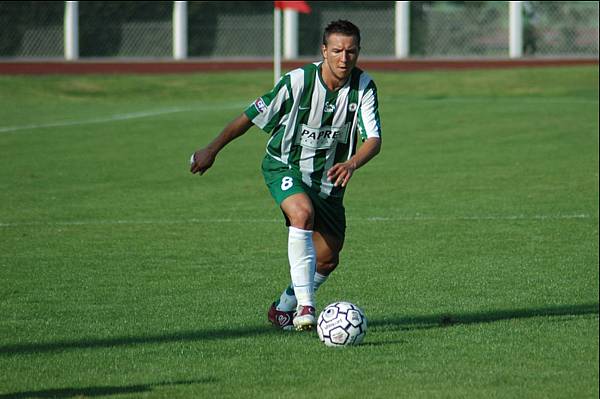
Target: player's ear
(324, 51)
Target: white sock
(287, 301)
(302, 257)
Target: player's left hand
(202, 160)
(341, 173)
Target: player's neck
(335, 84)
(332, 82)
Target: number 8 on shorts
(286, 183)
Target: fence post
(277, 45)
(516, 28)
(290, 34)
(402, 29)
(180, 27)
(71, 33)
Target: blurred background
(239, 29)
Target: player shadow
(403, 323)
(99, 390)
(444, 320)
(127, 341)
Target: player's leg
(327, 248)
(289, 192)
(329, 235)
(299, 210)
(328, 240)
(301, 206)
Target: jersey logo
(323, 138)
(329, 107)
(260, 105)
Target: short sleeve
(369, 123)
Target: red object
(300, 6)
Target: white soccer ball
(342, 324)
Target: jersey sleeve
(369, 123)
(267, 111)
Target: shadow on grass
(448, 319)
(403, 323)
(94, 343)
(98, 391)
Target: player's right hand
(202, 160)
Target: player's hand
(341, 173)
(202, 160)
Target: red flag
(300, 6)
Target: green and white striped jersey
(312, 128)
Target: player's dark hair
(344, 27)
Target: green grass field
(472, 242)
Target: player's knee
(299, 211)
(302, 217)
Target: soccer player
(314, 115)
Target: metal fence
(374, 18)
(143, 29)
(561, 28)
(449, 29)
(31, 29)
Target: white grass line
(513, 100)
(139, 222)
(123, 117)
(476, 218)
(372, 219)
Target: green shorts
(282, 181)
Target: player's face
(340, 55)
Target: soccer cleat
(304, 318)
(281, 319)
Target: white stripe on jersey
(364, 81)
(307, 163)
(367, 108)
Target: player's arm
(341, 173)
(205, 157)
